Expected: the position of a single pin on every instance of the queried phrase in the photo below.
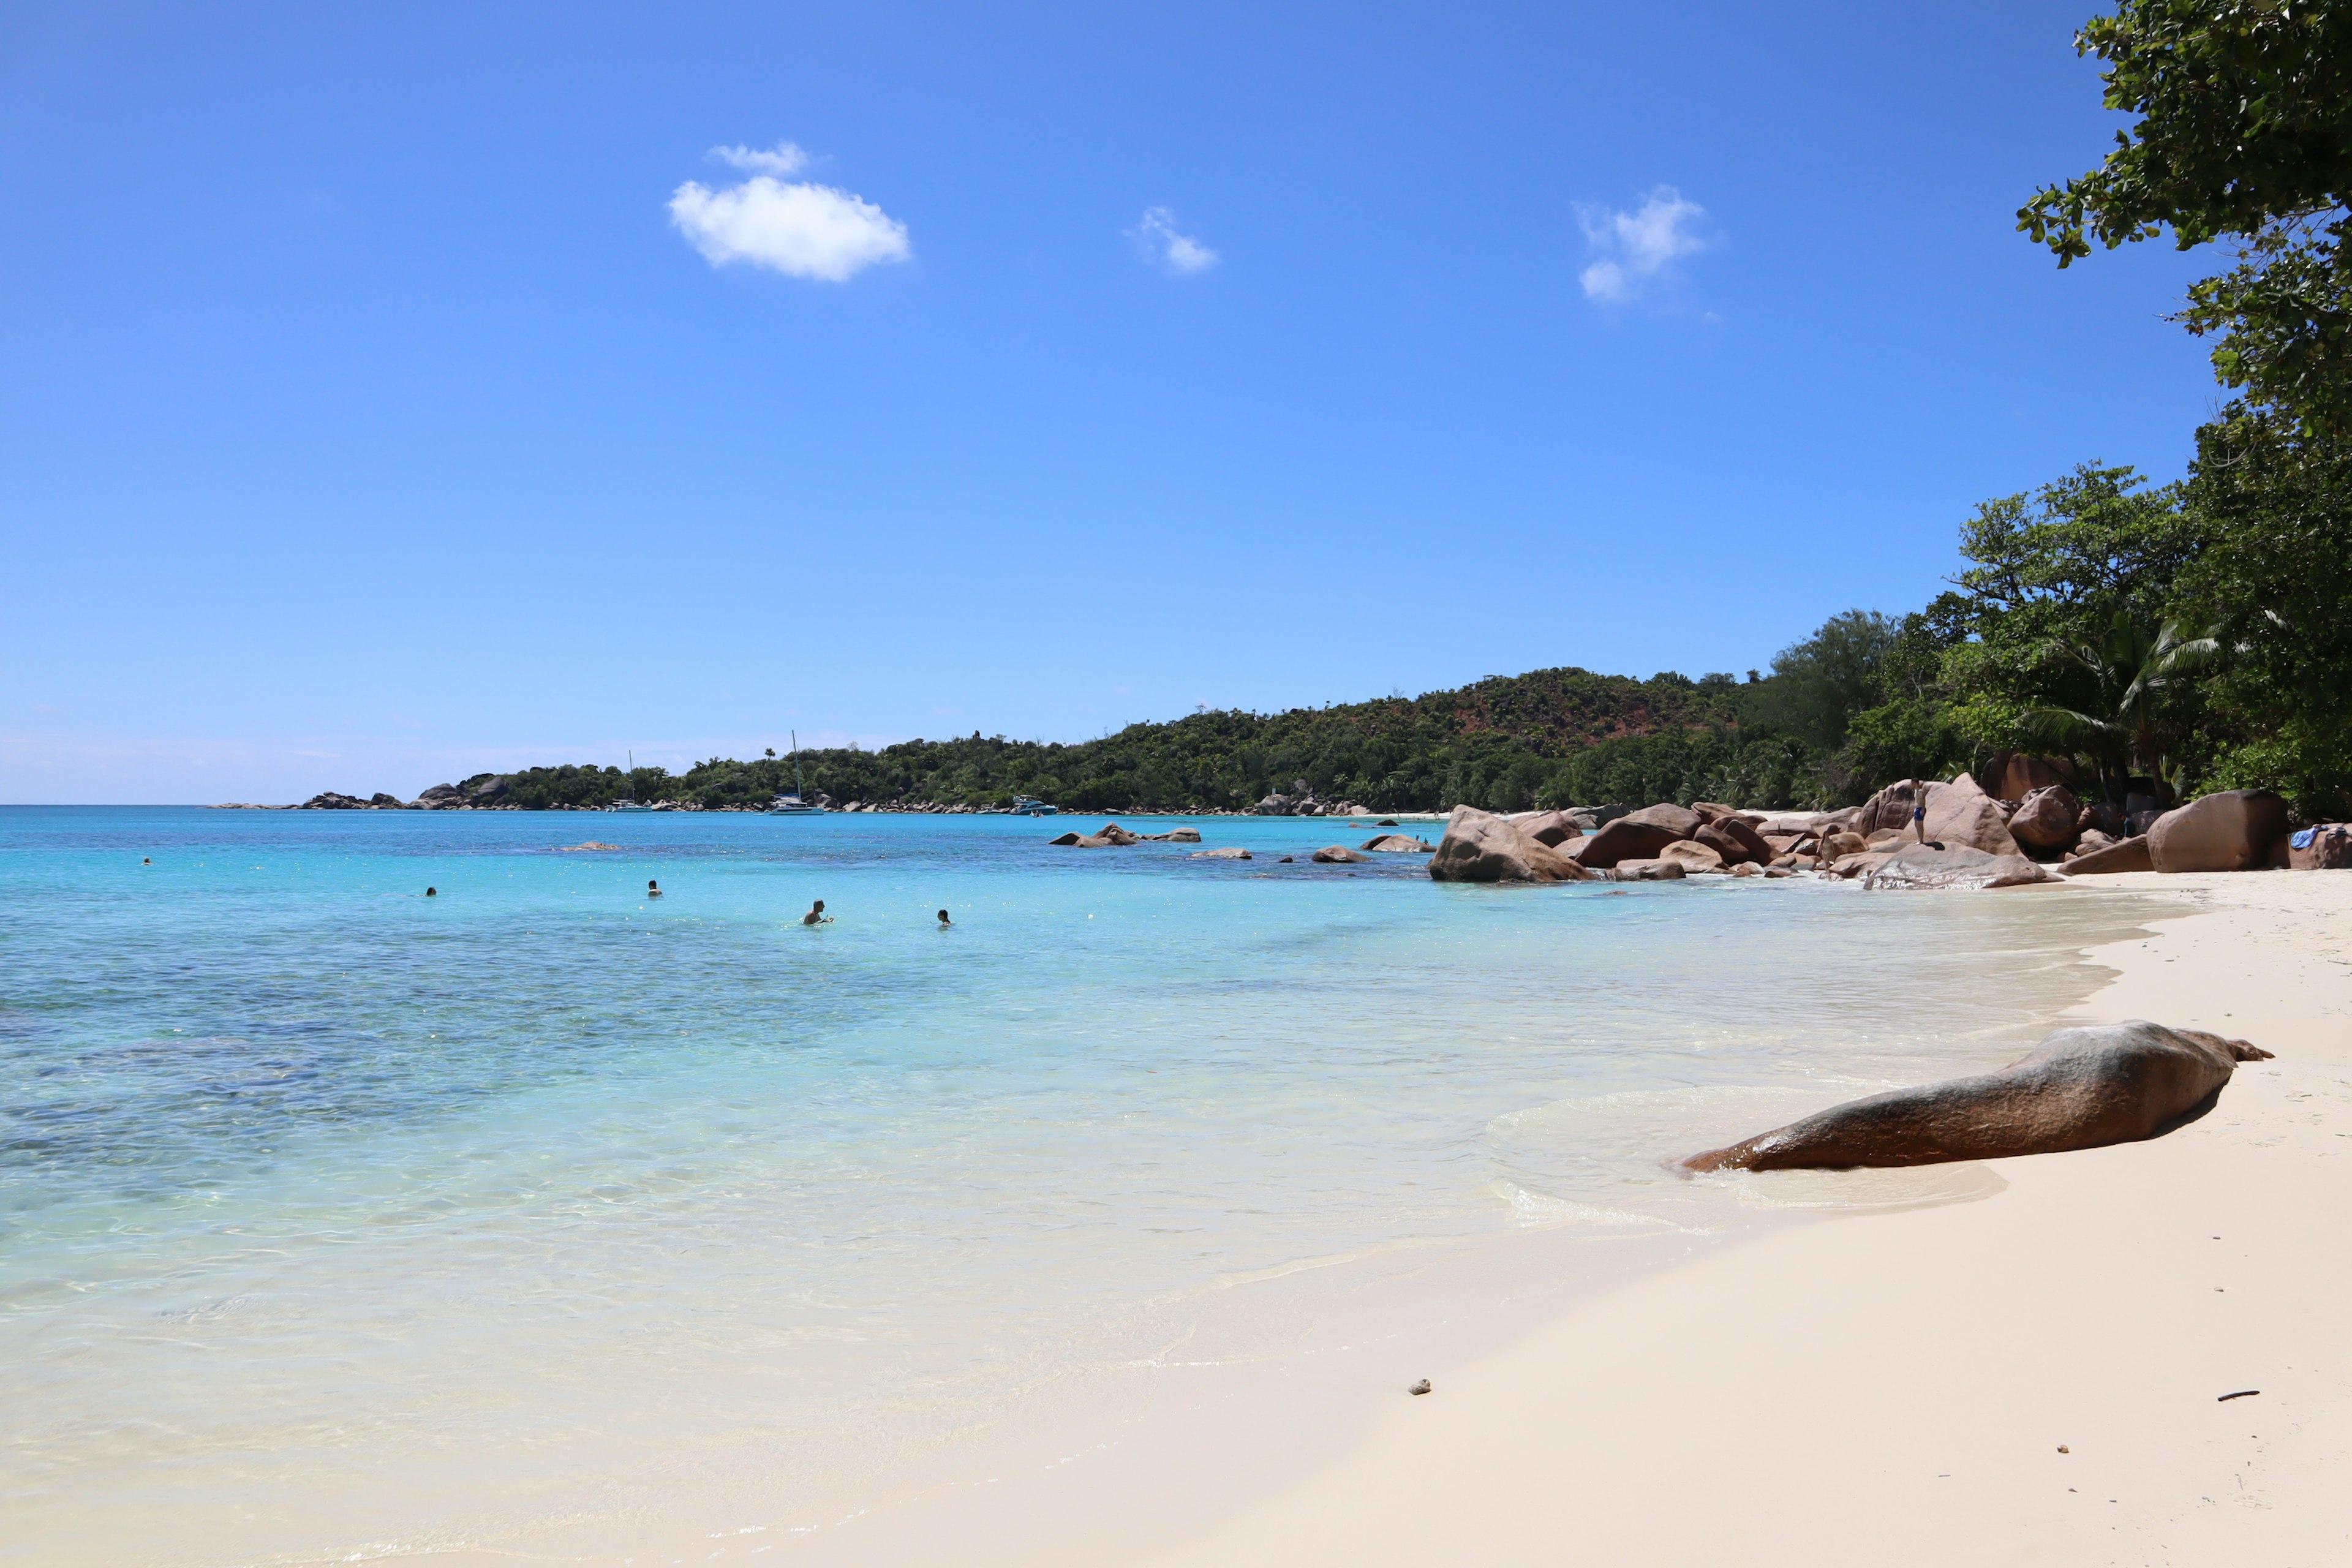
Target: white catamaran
(794, 804)
(629, 802)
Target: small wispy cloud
(1163, 241)
(784, 158)
(799, 228)
(1632, 251)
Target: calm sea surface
(335, 1219)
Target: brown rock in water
(1397, 844)
(1173, 836)
(2330, 849)
(1480, 846)
(1695, 855)
(2048, 819)
(1547, 828)
(1957, 866)
(1230, 852)
(1339, 855)
(1064, 839)
(1648, 872)
(2229, 831)
(2131, 855)
(592, 844)
(2080, 1088)
(1112, 833)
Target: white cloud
(803, 230)
(784, 158)
(1632, 249)
(1160, 239)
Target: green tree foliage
(2245, 133)
(2274, 574)
(2141, 681)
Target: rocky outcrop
(1955, 866)
(1173, 836)
(2080, 1088)
(1653, 870)
(1637, 836)
(330, 801)
(1548, 827)
(2048, 819)
(1230, 852)
(1339, 855)
(1398, 844)
(1693, 856)
(1480, 846)
(1736, 841)
(2327, 848)
(2013, 776)
(592, 844)
(2233, 830)
(2131, 855)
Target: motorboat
(1025, 806)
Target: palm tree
(2132, 672)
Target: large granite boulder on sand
(2048, 819)
(1480, 846)
(1890, 807)
(1960, 813)
(2080, 1088)
(2232, 830)
(2327, 848)
(1955, 866)
(2013, 776)
(2131, 855)
(1339, 855)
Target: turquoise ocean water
(336, 1219)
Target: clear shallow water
(335, 1218)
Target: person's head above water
(651, 884)
(432, 892)
(818, 905)
(943, 918)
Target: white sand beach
(2036, 1378)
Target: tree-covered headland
(2190, 636)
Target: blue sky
(389, 394)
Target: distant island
(2151, 640)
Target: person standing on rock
(1919, 821)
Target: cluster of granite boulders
(1300, 800)
(1111, 835)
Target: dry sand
(1896, 1388)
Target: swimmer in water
(817, 915)
(944, 921)
(146, 859)
(432, 892)
(653, 888)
